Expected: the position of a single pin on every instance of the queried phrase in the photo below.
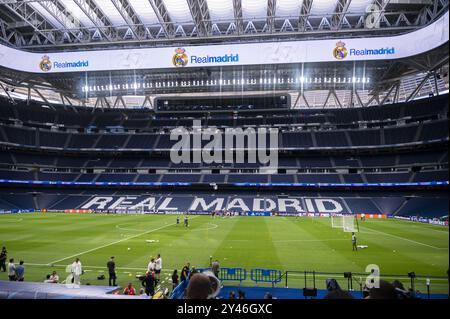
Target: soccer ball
(129, 248)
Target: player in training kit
(186, 221)
(178, 220)
(355, 247)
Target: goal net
(337, 222)
(348, 223)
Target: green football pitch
(51, 241)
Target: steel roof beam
(305, 11)
(163, 17)
(271, 11)
(339, 13)
(239, 21)
(57, 10)
(200, 14)
(131, 17)
(10, 35)
(33, 19)
(97, 17)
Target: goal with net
(348, 223)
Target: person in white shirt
(77, 271)
(12, 270)
(158, 267)
(151, 266)
(53, 278)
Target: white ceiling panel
(75, 10)
(288, 8)
(108, 8)
(221, 10)
(178, 11)
(254, 9)
(323, 7)
(145, 11)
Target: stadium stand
(351, 96)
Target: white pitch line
(403, 238)
(292, 240)
(113, 243)
(99, 267)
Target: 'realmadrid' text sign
(353, 49)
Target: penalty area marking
(113, 243)
(403, 238)
(292, 240)
(213, 226)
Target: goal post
(337, 221)
(350, 224)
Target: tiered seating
(315, 145)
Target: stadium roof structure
(70, 25)
(41, 24)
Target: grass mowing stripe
(399, 237)
(113, 243)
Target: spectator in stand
(149, 283)
(215, 268)
(158, 268)
(386, 290)
(185, 272)
(12, 270)
(129, 290)
(175, 279)
(111, 265)
(3, 258)
(232, 295)
(53, 278)
(241, 294)
(193, 272)
(268, 295)
(199, 287)
(20, 271)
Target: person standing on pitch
(20, 271)
(112, 271)
(178, 220)
(186, 221)
(151, 265)
(355, 247)
(158, 267)
(12, 270)
(215, 266)
(3, 258)
(77, 271)
(149, 283)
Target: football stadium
(224, 149)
